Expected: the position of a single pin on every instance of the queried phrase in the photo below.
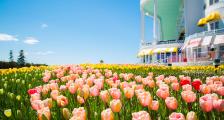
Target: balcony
(214, 7)
(206, 33)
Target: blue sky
(71, 31)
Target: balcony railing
(163, 42)
(206, 33)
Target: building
(184, 31)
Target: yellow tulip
(8, 113)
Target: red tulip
(196, 84)
(32, 91)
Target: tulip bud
(18, 97)
(1, 91)
(23, 81)
(19, 114)
(8, 113)
(191, 116)
(5, 85)
(66, 113)
(18, 81)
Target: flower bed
(108, 92)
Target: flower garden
(112, 92)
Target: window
(214, 25)
(211, 2)
(216, 1)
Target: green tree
(21, 58)
(101, 61)
(11, 59)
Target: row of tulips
(106, 92)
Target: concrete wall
(193, 11)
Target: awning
(160, 50)
(148, 52)
(219, 39)
(206, 41)
(141, 53)
(157, 50)
(194, 42)
(173, 49)
(214, 16)
(202, 22)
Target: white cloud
(31, 40)
(43, 26)
(45, 53)
(7, 37)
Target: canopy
(173, 49)
(202, 22)
(148, 52)
(219, 39)
(206, 41)
(214, 16)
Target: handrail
(205, 33)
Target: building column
(142, 26)
(155, 22)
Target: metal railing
(163, 42)
(206, 33)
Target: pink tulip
(154, 106)
(188, 96)
(104, 95)
(175, 86)
(191, 116)
(79, 114)
(167, 80)
(160, 77)
(94, 91)
(63, 87)
(163, 93)
(62, 101)
(107, 114)
(186, 87)
(218, 105)
(54, 86)
(115, 105)
(205, 89)
(37, 104)
(99, 83)
(124, 85)
(80, 100)
(115, 93)
(171, 103)
(72, 88)
(48, 102)
(206, 103)
(46, 112)
(151, 83)
(176, 116)
(35, 96)
(145, 98)
(128, 92)
(89, 81)
(141, 115)
(220, 90)
(214, 96)
(54, 94)
(138, 79)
